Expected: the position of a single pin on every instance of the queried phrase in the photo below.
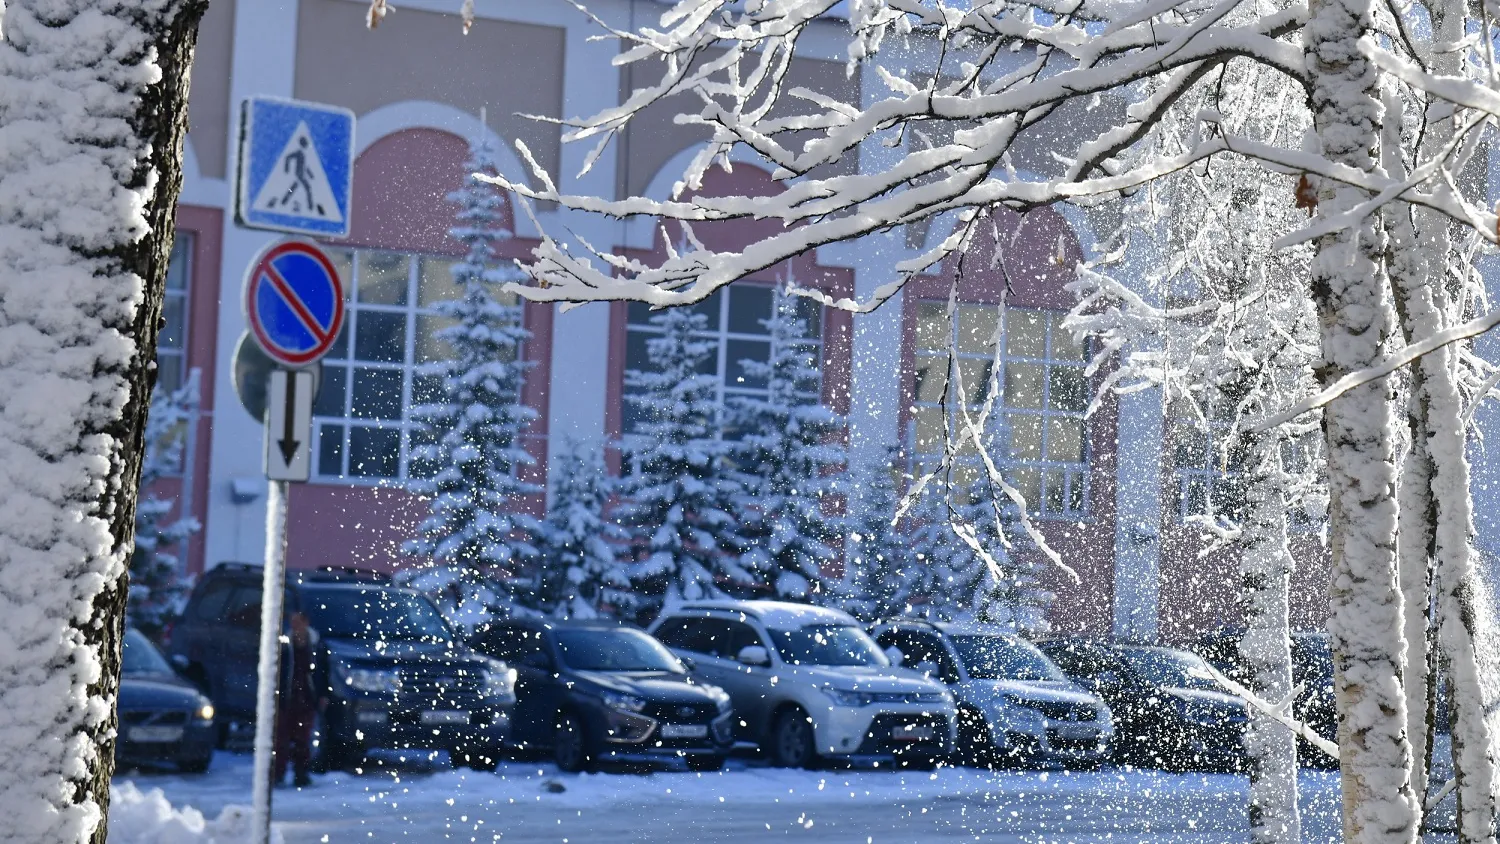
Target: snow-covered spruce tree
(677, 498)
(93, 109)
(475, 495)
(992, 83)
(790, 446)
(879, 564)
(158, 585)
(1007, 589)
(577, 547)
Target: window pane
(931, 372)
(343, 263)
(180, 262)
(426, 389)
(932, 326)
(748, 305)
(436, 282)
(383, 278)
(1063, 345)
(1075, 492)
(976, 377)
(711, 308)
(638, 313)
(1190, 449)
(976, 329)
(1025, 436)
(1068, 390)
(1026, 334)
(332, 391)
(430, 347)
(1023, 385)
(1028, 482)
(929, 424)
(740, 350)
(168, 373)
(1057, 494)
(637, 355)
(380, 337)
(340, 348)
(377, 393)
(374, 452)
(812, 313)
(174, 331)
(1065, 439)
(1195, 498)
(331, 450)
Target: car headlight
(499, 679)
(848, 697)
(628, 703)
(371, 679)
(205, 710)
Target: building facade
(1109, 496)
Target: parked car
(395, 675)
(163, 718)
(600, 691)
(1014, 704)
(808, 684)
(1168, 709)
(1312, 670)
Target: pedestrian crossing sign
(296, 170)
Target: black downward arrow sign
(289, 442)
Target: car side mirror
(754, 655)
(180, 662)
(895, 655)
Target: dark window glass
(1068, 390)
(210, 605)
(331, 450)
(332, 391)
(1171, 669)
(380, 337)
(377, 394)
(994, 657)
(140, 657)
(739, 351)
(748, 305)
(374, 452)
(827, 644)
(614, 650)
(243, 608)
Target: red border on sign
(263, 267)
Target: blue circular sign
(294, 302)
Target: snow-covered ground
(422, 800)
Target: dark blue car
(164, 719)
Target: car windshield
(140, 657)
(991, 657)
(1172, 669)
(615, 650)
(827, 644)
(384, 614)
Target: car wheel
(792, 741)
(711, 762)
(570, 744)
(975, 746)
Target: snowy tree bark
(93, 110)
(1365, 601)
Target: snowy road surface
(424, 802)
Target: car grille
(1058, 710)
(682, 713)
(142, 717)
(1076, 744)
(436, 687)
(881, 735)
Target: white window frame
(1077, 476)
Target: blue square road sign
(296, 167)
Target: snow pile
(146, 817)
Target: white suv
(807, 682)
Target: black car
(595, 691)
(394, 673)
(1169, 711)
(163, 718)
(1312, 673)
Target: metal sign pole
(272, 591)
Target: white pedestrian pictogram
(299, 185)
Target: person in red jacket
(299, 700)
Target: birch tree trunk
(93, 110)
(1266, 565)
(1366, 622)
